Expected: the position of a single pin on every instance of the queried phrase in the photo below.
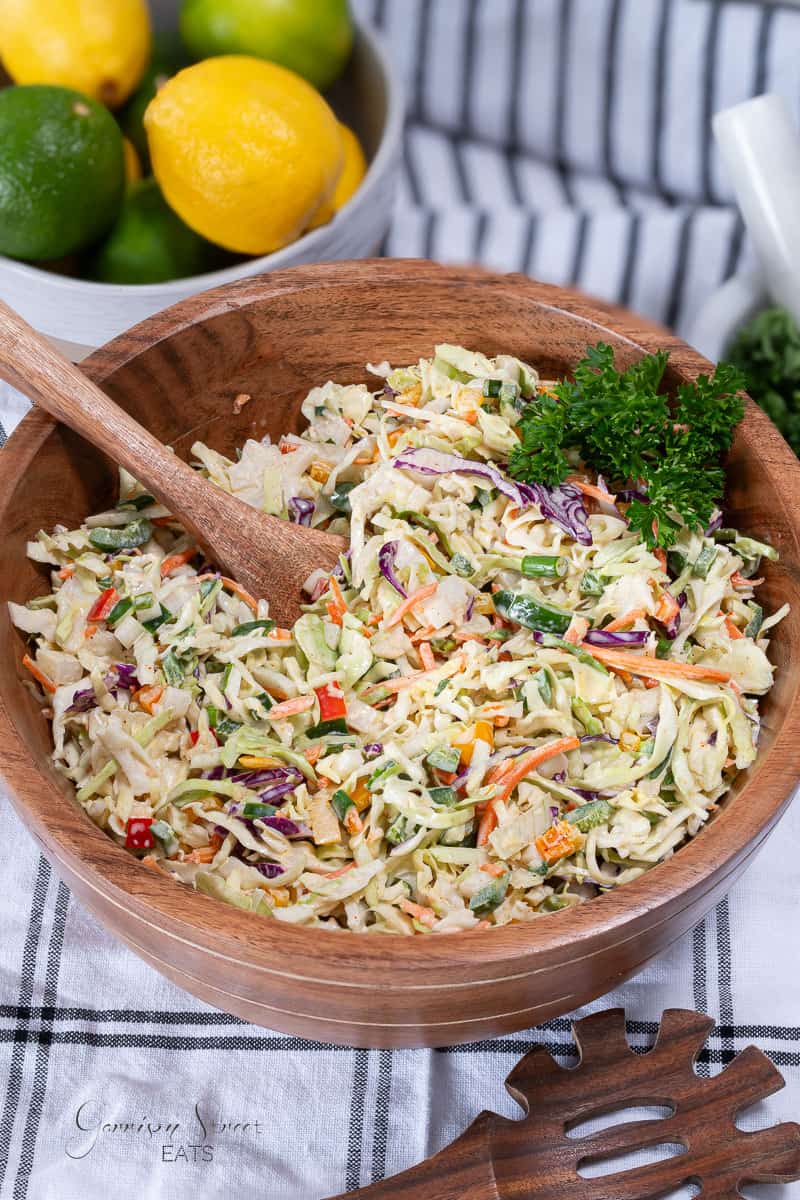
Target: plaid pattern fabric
(116, 1082)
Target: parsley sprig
(622, 426)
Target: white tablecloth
(568, 139)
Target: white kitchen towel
(567, 139)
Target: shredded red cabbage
(386, 557)
(289, 829)
(270, 870)
(123, 678)
(672, 627)
(300, 510)
(563, 504)
(621, 639)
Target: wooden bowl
(274, 337)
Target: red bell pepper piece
(331, 702)
(139, 835)
(103, 605)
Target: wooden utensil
(270, 557)
(536, 1159)
(275, 337)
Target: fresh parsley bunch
(627, 430)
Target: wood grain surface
(541, 1157)
(275, 337)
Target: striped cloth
(567, 139)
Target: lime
(150, 243)
(311, 37)
(169, 56)
(62, 171)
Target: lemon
(98, 47)
(61, 171)
(353, 171)
(244, 151)
(312, 37)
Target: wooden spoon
(270, 557)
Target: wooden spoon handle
(31, 364)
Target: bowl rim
(311, 242)
(526, 948)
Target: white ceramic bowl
(80, 316)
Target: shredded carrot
(458, 636)
(151, 863)
(578, 628)
(741, 584)
(173, 561)
(205, 854)
(590, 489)
(90, 631)
(337, 608)
(423, 914)
(495, 869)
(290, 708)
(147, 697)
(280, 635)
(667, 609)
(734, 632)
(656, 668)
(394, 435)
(737, 691)
(243, 594)
(38, 674)
(526, 763)
(488, 823)
(66, 572)
(352, 821)
(662, 558)
(648, 683)
(341, 871)
(287, 448)
(427, 656)
(625, 620)
(546, 391)
(163, 521)
(406, 605)
(406, 681)
(311, 754)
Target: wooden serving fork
(534, 1159)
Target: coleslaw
(501, 704)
